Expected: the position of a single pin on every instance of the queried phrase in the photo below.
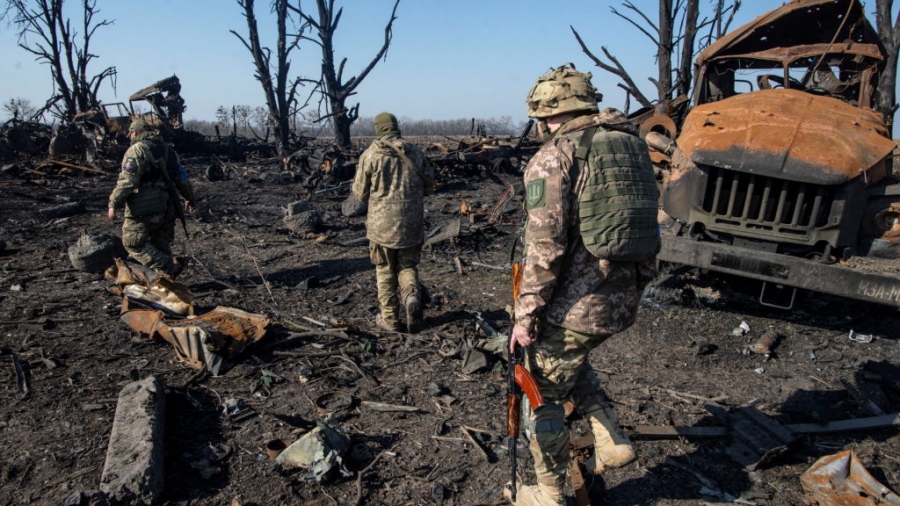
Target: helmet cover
(562, 90)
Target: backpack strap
(581, 153)
(581, 160)
(425, 179)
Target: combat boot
(413, 313)
(175, 270)
(383, 325)
(612, 448)
(535, 495)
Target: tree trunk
(889, 33)
(332, 86)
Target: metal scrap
(203, 341)
(842, 480)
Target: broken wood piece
(449, 439)
(380, 406)
(21, 378)
(712, 432)
(673, 432)
(484, 453)
(676, 393)
(61, 211)
(314, 321)
(294, 336)
(853, 424)
(79, 167)
(489, 266)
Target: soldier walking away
(151, 184)
(590, 245)
(394, 176)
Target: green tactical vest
(151, 196)
(617, 208)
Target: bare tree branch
(617, 70)
(334, 89)
(674, 34)
(44, 32)
(280, 91)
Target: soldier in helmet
(590, 245)
(149, 170)
(394, 176)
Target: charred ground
(62, 327)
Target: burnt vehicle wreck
(103, 131)
(782, 170)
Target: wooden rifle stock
(519, 381)
(527, 384)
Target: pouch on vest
(147, 200)
(617, 207)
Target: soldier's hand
(191, 207)
(111, 213)
(520, 336)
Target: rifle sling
(170, 185)
(427, 180)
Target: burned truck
(781, 171)
(103, 130)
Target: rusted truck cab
(783, 170)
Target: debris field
(727, 401)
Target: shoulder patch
(130, 164)
(534, 194)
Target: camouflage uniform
(572, 300)
(148, 238)
(395, 225)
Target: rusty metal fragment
(144, 287)
(203, 341)
(842, 480)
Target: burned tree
(335, 91)
(45, 32)
(675, 34)
(889, 33)
(281, 95)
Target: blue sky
(448, 59)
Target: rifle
(173, 192)
(342, 184)
(518, 380)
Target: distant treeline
(251, 127)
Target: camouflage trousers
(395, 270)
(558, 362)
(149, 240)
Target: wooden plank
(874, 422)
(675, 431)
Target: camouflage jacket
(562, 282)
(395, 192)
(140, 168)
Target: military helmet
(562, 90)
(138, 125)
